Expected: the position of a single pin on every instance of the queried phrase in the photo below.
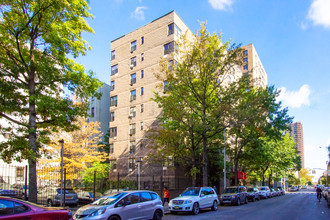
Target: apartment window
(132, 147)
(113, 101)
(133, 95)
(245, 67)
(171, 64)
(132, 129)
(112, 85)
(92, 112)
(246, 74)
(131, 163)
(142, 56)
(169, 48)
(114, 69)
(132, 111)
(141, 126)
(20, 173)
(111, 148)
(177, 31)
(113, 132)
(245, 52)
(142, 74)
(142, 40)
(166, 86)
(113, 164)
(245, 59)
(171, 29)
(113, 55)
(142, 91)
(141, 108)
(133, 46)
(133, 78)
(112, 116)
(133, 62)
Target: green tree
(36, 39)
(304, 176)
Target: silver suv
(139, 204)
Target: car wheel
(49, 203)
(158, 215)
(246, 200)
(114, 218)
(214, 206)
(238, 201)
(195, 209)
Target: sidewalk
(166, 210)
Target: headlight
(187, 201)
(98, 212)
(170, 201)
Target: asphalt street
(301, 205)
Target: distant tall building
(298, 134)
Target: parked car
(234, 195)
(138, 204)
(264, 192)
(293, 189)
(52, 197)
(11, 208)
(86, 197)
(14, 193)
(282, 191)
(326, 193)
(193, 199)
(278, 191)
(273, 192)
(253, 194)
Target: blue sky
(292, 39)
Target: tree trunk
(205, 161)
(270, 177)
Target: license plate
(176, 207)
(69, 197)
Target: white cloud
(319, 13)
(221, 4)
(138, 14)
(295, 99)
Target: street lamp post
(224, 160)
(62, 142)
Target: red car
(11, 208)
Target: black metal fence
(14, 183)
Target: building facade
(297, 133)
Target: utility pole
(62, 149)
(224, 160)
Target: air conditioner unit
(131, 66)
(129, 170)
(131, 115)
(115, 137)
(114, 170)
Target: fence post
(94, 184)
(64, 187)
(137, 181)
(25, 190)
(161, 185)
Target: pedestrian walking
(166, 195)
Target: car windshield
(231, 190)
(67, 191)
(109, 200)
(191, 191)
(262, 188)
(250, 190)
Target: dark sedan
(16, 209)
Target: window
(113, 101)
(92, 112)
(133, 95)
(245, 59)
(141, 126)
(133, 62)
(141, 108)
(133, 78)
(131, 163)
(171, 64)
(169, 48)
(132, 129)
(246, 74)
(113, 164)
(142, 40)
(245, 67)
(132, 112)
(170, 29)
(145, 196)
(142, 56)
(142, 74)
(20, 173)
(245, 52)
(112, 116)
(132, 147)
(133, 46)
(111, 148)
(113, 55)
(112, 85)
(114, 69)
(166, 86)
(19, 208)
(113, 132)
(6, 207)
(142, 91)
